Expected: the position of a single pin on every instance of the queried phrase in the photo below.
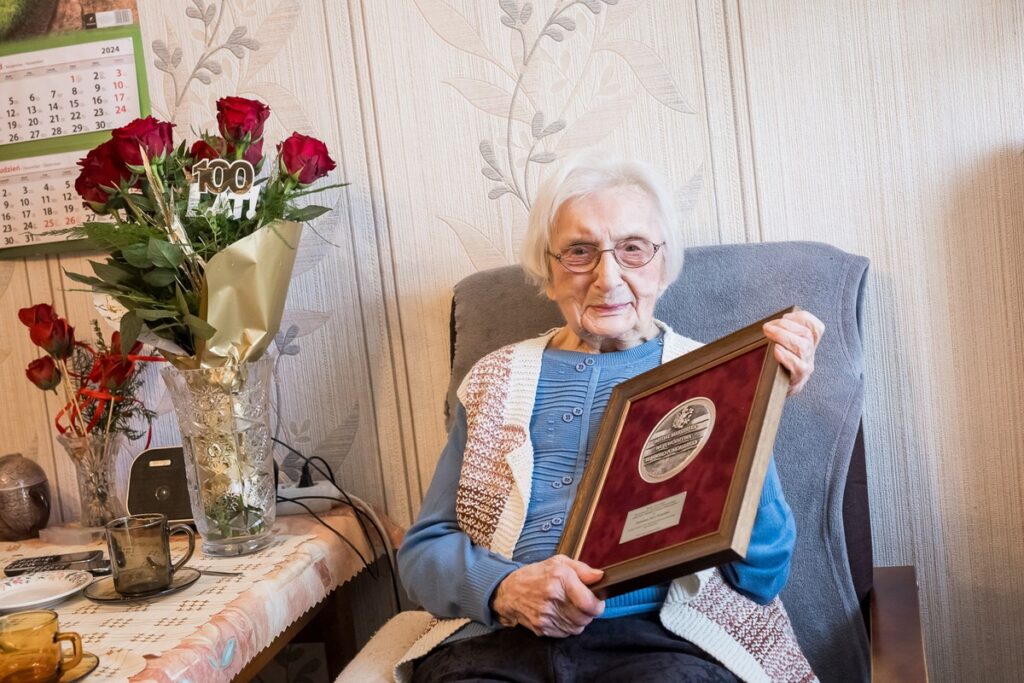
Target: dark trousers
(625, 649)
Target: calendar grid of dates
(71, 90)
(37, 195)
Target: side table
(222, 627)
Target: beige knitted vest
(755, 642)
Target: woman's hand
(550, 598)
(796, 336)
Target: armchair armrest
(897, 646)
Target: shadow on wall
(984, 252)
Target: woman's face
(610, 308)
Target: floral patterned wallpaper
(444, 115)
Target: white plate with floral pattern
(41, 589)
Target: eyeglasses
(634, 252)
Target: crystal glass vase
(95, 458)
(224, 417)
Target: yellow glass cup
(31, 650)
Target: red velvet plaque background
(730, 386)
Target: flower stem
(72, 399)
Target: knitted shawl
(755, 642)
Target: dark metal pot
(24, 498)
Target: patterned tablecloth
(210, 630)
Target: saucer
(40, 589)
(102, 590)
(84, 668)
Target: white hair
(582, 175)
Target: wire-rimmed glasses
(634, 252)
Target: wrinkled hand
(796, 336)
(551, 598)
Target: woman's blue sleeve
(762, 575)
(440, 567)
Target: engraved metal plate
(677, 439)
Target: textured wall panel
(893, 130)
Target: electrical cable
(360, 510)
(330, 476)
(368, 567)
(335, 531)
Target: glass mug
(30, 648)
(140, 552)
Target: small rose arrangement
(200, 274)
(98, 381)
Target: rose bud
(40, 313)
(56, 337)
(204, 150)
(253, 152)
(102, 172)
(43, 373)
(304, 158)
(238, 117)
(147, 135)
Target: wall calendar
(60, 96)
(37, 194)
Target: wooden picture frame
(673, 483)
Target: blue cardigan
(451, 577)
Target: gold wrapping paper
(244, 296)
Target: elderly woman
(602, 244)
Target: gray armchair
(819, 447)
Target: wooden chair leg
(897, 645)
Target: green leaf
(131, 328)
(200, 327)
(153, 313)
(164, 254)
(307, 213)
(93, 282)
(182, 302)
(110, 272)
(160, 277)
(143, 202)
(137, 255)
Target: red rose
(40, 313)
(304, 158)
(55, 337)
(43, 373)
(204, 150)
(238, 117)
(153, 136)
(102, 171)
(111, 372)
(253, 153)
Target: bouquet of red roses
(98, 381)
(200, 238)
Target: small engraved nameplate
(653, 517)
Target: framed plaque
(673, 483)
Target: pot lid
(17, 472)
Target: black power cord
(306, 479)
(325, 471)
